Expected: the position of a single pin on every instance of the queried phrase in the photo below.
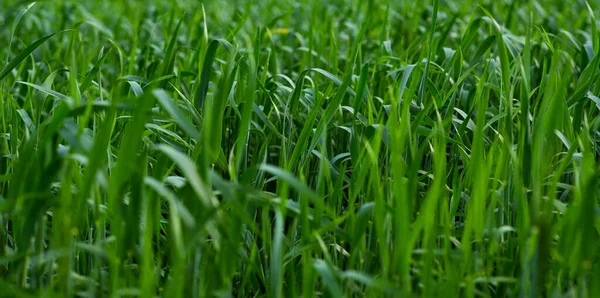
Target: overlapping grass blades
(299, 148)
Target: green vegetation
(359, 148)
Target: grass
(299, 148)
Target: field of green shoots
(300, 148)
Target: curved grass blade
(167, 102)
(188, 167)
(47, 91)
(88, 80)
(23, 54)
(330, 281)
(205, 76)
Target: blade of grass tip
(172, 199)
(361, 89)
(89, 106)
(294, 98)
(74, 72)
(94, 72)
(306, 130)
(175, 112)
(483, 48)
(23, 54)
(430, 52)
(97, 155)
(358, 40)
(204, 78)
(358, 99)
(14, 29)
(505, 76)
(166, 67)
(199, 55)
(215, 111)
(290, 179)
(595, 37)
(134, 43)
(332, 107)
(47, 91)
(136, 88)
(334, 79)
(188, 167)
(245, 121)
(41, 98)
(470, 31)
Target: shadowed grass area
(299, 148)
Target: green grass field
(300, 148)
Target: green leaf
(175, 112)
(47, 91)
(330, 281)
(94, 72)
(205, 75)
(23, 54)
(188, 168)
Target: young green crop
(299, 148)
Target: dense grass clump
(359, 148)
